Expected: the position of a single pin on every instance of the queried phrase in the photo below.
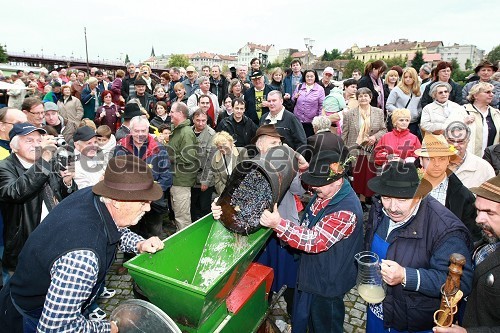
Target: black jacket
(219, 89)
(21, 195)
(291, 129)
(455, 94)
(250, 108)
(126, 82)
(366, 82)
(460, 201)
(492, 155)
(242, 132)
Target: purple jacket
(308, 104)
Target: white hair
(14, 143)
(138, 120)
(105, 200)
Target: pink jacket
(308, 104)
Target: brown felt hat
(485, 63)
(490, 189)
(128, 178)
(268, 130)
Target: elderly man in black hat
(414, 236)
(483, 304)
(142, 97)
(484, 71)
(329, 235)
(132, 109)
(65, 260)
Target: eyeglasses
(37, 113)
(443, 92)
(6, 122)
(488, 92)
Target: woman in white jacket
(435, 115)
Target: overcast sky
(116, 28)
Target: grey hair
(435, 85)
(202, 79)
(138, 120)
(276, 92)
(321, 123)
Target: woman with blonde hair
(145, 74)
(406, 96)
(225, 159)
(390, 82)
(400, 143)
(277, 79)
(485, 119)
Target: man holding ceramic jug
(414, 235)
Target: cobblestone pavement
(354, 320)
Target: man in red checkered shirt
(330, 234)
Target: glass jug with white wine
(369, 282)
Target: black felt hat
(399, 180)
(325, 168)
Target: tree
(127, 60)
(352, 65)
(286, 62)
(468, 64)
(494, 55)
(325, 56)
(178, 60)
(335, 54)
(418, 60)
(3, 55)
(397, 61)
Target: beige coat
(476, 135)
(219, 172)
(72, 110)
(350, 129)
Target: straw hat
(435, 145)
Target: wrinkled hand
(48, 147)
(204, 188)
(392, 273)
(286, 96)
(303, 164)
(114, 327)
(469, 120)
(216, 210)
(371, 140)
(67, 176)
(452, 329)
(270, 219)
(150, 245)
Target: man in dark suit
(256, 97)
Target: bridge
(56, 62)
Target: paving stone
(356, 313)
(348, 328)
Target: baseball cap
(50, 106)
(24, 129)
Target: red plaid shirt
(329, 230)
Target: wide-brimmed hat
(490, 189)
(485, 63)
(190, 69)
(435, 145)
(132, 109)
(324, 169)
(399, 180)
(128, 178)
(269, 130)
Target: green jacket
(183, 149)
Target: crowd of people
(416, 150)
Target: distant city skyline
(224, 27)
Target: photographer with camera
(30, 186)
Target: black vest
(333, 272)
(80, 222)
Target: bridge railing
(36, 56)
